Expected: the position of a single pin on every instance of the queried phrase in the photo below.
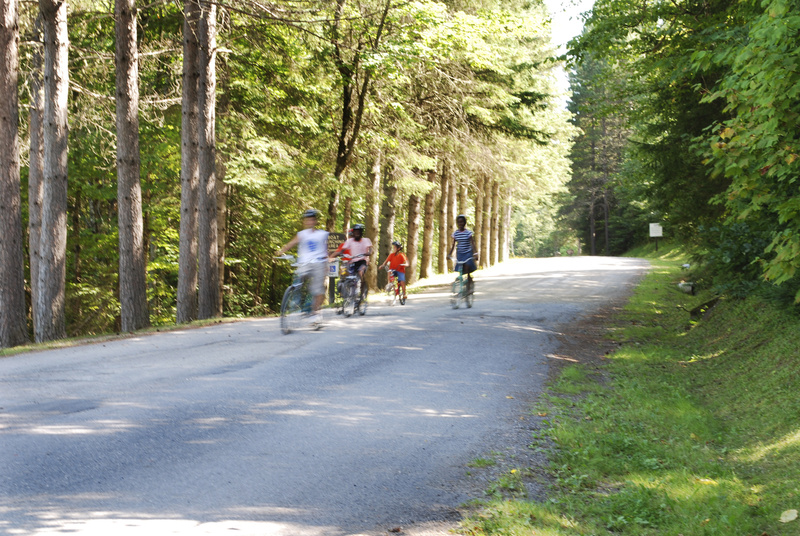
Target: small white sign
(333, 269)
(656, 231)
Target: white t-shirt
(312, 246)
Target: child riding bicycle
(464, 240)
(360, 248)
(397, 262)
(312, 258)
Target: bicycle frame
(459, 289)
(297, 300)
(392, 285)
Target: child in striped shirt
(464, 239)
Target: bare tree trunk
(356, 82)
(495, 244)
(452, 194)
(208, 254)
(505, 234)
(132, 261)
(333, 210)
(348, 213)
(462, 196)
(35, 164)
(187, 262)
(606, 211)
(77, 259)
(478, 229)
(592, 225)
(412, 238)
(222, 231)
(444, 237)
(13, 310)
(373, 216)
(486, 223)
(49, 308)
(426, 259)
(388, 215)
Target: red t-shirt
(395, 261)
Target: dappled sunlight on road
(127, 524)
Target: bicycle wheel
(291, 309)
(455, 294)
(469, 291)
(402, 298)
(349, 297)
(362, 304)
(390, 293)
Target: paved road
(364, 426)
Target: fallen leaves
(788, 516)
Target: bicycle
(296, 303)
(354, 298)
(393, 288)
(462, 289)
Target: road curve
(364, 426)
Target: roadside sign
(656, 231)
(335, 240)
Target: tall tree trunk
(75, 210)
(505, 234)
(348, 213)
(452, 195)
(495, 244)
(187, 261)
(606, 211)
(132, 260)
(478, 229)
(462, 196)
(444, 237)
(486, 224)
(372, 221)
(333, 210)
(13, 310)
(592, 225)
(49, 307)
(208, 254)
(412, 238)
(222, 230)
(356, 81)
(426, 259)
(35, 171)
(388, 215)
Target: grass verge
(691, 427)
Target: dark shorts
(468, 267)
(401, 276)
(354, 267)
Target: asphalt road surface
(362, 427)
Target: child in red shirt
(397, 262)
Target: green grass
(695, 429)
(482, 462)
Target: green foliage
(757, 149)
(732, 256)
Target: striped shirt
(463, 245)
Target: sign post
(334, 241)
(656, 231)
